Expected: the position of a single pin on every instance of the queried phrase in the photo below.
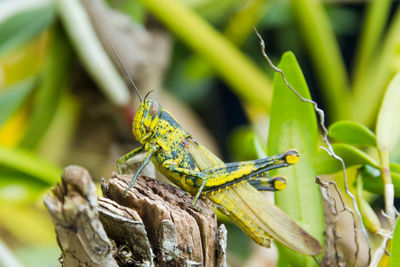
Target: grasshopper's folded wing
(263, 219)
(254, 214)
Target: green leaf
(395, 249)
(19, 188)
(353, 133)
(375, 21)
(388, 124)
(395, 167)
(375, 184)
(23, 27)
(369, 217)
(244, 144)
(293, 124)
(29, 163)
(50, 89)
(325, 164)
(11, 98)
(373, 181)
(394, 155)
(283, 261)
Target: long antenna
(126, 72)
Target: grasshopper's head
(146, 119)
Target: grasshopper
(233, 187)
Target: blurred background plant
(63, 101)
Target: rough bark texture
(154, 225)
(74, 211)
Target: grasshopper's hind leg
(198, 194)
(277, 183)
(291, 156)
(189, 175)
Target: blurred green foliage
(45, 47)
(23, 27)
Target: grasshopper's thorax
(146, 120)
(153, 124)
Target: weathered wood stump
(154, 225)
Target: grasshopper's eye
(154, 108)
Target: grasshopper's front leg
(192, 175)
(128, 156)
(146, 160)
